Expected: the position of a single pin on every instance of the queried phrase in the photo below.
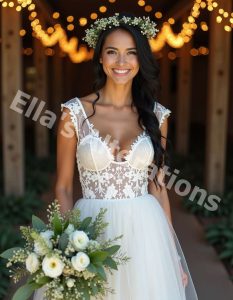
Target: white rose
(79, 239)
(70, 282)
(80, 261)
(69, 229)
(52, 266)
(32, 263)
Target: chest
(119, 128)
(95, 154)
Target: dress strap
(72, 105)
(78, 117)
(161, 112)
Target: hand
(184, 277)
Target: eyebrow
(117, 48)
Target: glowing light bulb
(93, 16)
(83, 21)
(158, 15)
(56, 15)
(141, 2)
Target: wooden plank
(179, 9)
(68, 71)
(165, 77)
(57, 85)
(46, 10)
(41, 92)
(12, 121)
(218, 100)
(183, 99)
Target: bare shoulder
(88, 98)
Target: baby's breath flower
(146, 26)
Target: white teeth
(121, 71)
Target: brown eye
(132, 52)
(110, 52)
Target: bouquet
(67, 256)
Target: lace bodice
(101, 175)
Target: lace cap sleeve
(73, 111)
(161, 112)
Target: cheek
(108, 60)
(135, 63)
(133, 60)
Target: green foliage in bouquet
(68, 256)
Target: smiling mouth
(121, 71)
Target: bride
(117, 134)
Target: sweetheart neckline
(112, 158)
(95, 132)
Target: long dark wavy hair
(145, 88)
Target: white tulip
(79, 239)
(80, 261)
(69, 229)
(32, 263)
(70, 282)
(52, 266)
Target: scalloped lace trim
(164, 116)
(72, 116)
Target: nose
(121, 59)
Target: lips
(121, 72)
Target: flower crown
(146, 26)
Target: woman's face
(119, 57)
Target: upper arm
(162, 115)
(164, 130)
(66, 151)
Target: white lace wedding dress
(153, 272)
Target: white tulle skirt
(154, 269)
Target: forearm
(161, 195)
(165, 203)
(65, 199)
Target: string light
(204, 26)
(49, 52)
(103, 9)
(171, 21)
(56, 15)
(50, 30)
(148, 8)
(58, 35)
(141, 3)
(70, 19)
(172, 55)
(194, 52)
(70, 27)
(167, 35)
(79, 53)
(83, 21)
(28, 51)
(93, 16)
(22, 32)
(158, 15)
